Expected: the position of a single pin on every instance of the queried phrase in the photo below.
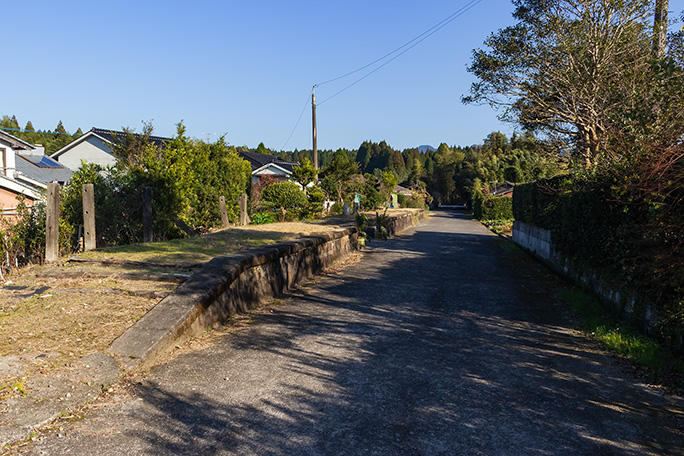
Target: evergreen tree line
(51, 140)
(451, 174)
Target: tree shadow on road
(465, 352)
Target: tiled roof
(42, 169)
(257, 160)
(14, 142)
(503, 189)
(112, 136)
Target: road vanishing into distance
(446, 340)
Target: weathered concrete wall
(235, 283)
(621, 301)
(399, 223)
(227, 285)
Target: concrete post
(224, 211)
(244, 217)
(89, 235)
(52, 224)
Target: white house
(268, 165)
(94, 146)
(16, 179)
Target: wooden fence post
(52, 224)
(148, 220)
(224, 211)
(244, 217)
(89, 237)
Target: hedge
(493, 208)
(631, 238)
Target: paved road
(442, 341)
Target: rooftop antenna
(209, 134)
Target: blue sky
(246, 68)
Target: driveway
(445, 340)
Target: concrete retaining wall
(231, 284)
(399, 223)
(625, 304)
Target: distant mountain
(424, 148)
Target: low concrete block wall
(623, 303)
(227, 285)
(534, 239)
(399, 223)
(404, 221)
(235, 283)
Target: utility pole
(313, 123)
(660, 28)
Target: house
(13, 185)
(399, 190)
(94, 146)
(505, 189)
(268, 165)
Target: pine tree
(29, 126)
(60, 128)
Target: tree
(337, 173)
(29, 126)
(304, 174)
(261, 149)
(444, 170)
(60, 128)
(576, 71)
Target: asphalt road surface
(443, 341)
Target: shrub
(262, 218)
(493, 208)
(286, 196)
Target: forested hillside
(52, 140)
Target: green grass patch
(622, 338)
(191, 250)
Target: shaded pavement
(445, 340)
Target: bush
(314, 208)
(493, 208)
(286, 196)
(262, 218)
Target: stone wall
(619, 299)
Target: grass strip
(661, 364)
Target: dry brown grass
(52, 315)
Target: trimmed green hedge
(493, 208)
(634, 239)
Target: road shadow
(437, 343)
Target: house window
(4, 161)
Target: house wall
(10, 162)
(8, 203)
(92, 150)
(277, 173)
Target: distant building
(505, 189)
(268, 165)
(94, 146)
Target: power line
(306, 103)
(408, 45)
(416, 41)
(36, 131)
(440, 25)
